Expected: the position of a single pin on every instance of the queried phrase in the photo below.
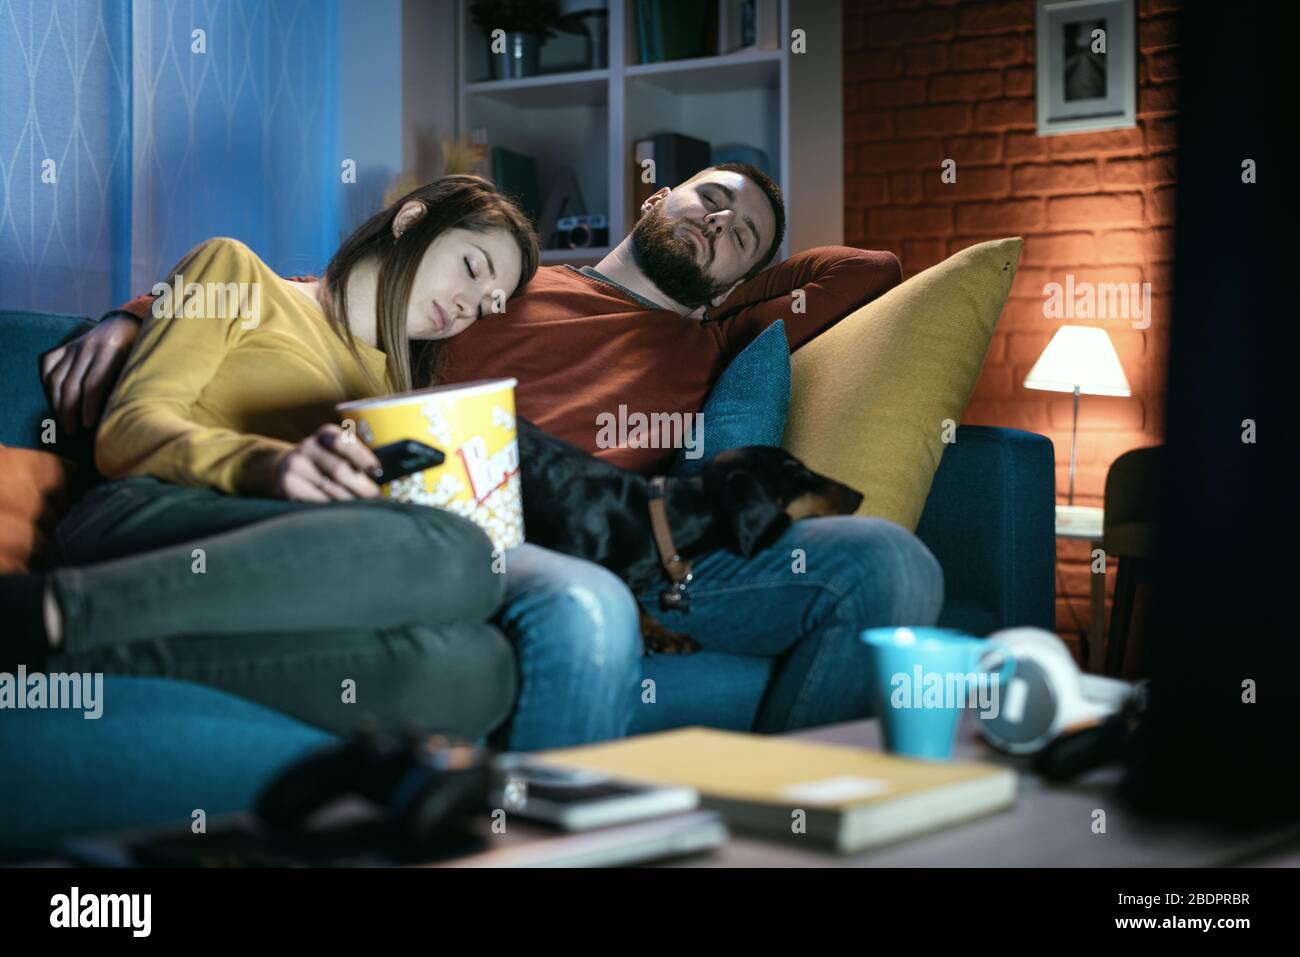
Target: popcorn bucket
(473, 424)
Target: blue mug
(922, 679)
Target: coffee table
(1049, 826)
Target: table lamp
(1079, 359)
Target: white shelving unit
(788, 104)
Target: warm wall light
(1078, 359)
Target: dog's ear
(755, 517)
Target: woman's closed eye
(469, 269)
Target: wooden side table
(1085, 522)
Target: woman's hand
(328, 466)
(79, 375)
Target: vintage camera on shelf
(580, 232)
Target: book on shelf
(748, 25)
(676, 29)
(515, 175)
(677, 157)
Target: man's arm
(79, 375)
(834, 280)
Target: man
(650, 328)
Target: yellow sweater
(214, 394)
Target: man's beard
(668, 260)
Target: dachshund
(742, 500)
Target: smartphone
(574, 799)
(398, 459)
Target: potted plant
(525, 24)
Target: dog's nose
(845, 499)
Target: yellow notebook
(850, 798)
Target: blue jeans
(804, 601)
(294, 599)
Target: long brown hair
(452, 202)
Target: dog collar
(678, 570)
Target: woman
(210, 557)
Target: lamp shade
(1081, 357)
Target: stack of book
(842, 798)
(682, 29)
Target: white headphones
(1048, 695)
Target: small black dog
(742, 500)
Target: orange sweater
(581, 347)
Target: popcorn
(438, 426)
(502, 418)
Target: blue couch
(166, 747)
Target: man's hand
(326, 467)
(78, 376)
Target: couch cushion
(42, 470)
(748, 403)
(873, 396)
(163, 748)
(34, 494)
(160, 750)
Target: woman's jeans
(324, 612)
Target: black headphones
(426, 789)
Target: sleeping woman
(240, 541)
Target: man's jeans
(804, 600)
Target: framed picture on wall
(1086, 65)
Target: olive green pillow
(871, 397)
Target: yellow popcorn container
(473, 424)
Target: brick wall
(941, 80)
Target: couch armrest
(24, 337)
(990, 520)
